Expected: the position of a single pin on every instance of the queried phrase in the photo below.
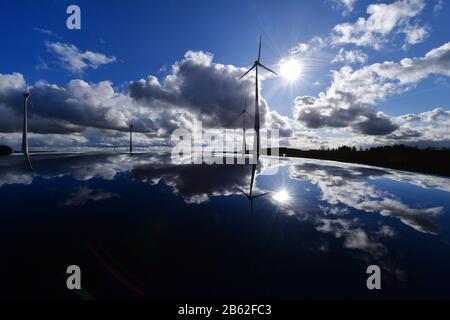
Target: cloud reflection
(195, 183)
(350, 186)
(81, 195)
(342, 186)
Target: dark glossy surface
(5, 150)
(142, 227)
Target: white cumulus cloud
(383, 20)
(350, 56)
(76, 61)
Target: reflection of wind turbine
(131, 138)
(256, 141)
(27, 96)
(250, 195)
(244, 144)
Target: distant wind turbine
(256, 64)
(243, 113)
(27, 96)
(131, 138)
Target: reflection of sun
(281, 196)
(290, 69)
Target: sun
(281, 196)
(290, 69)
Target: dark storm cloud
(55, 109)
(360, 118)
(89, 105)
(375, 125)
(404, 133)
(210, 90)
(12, 121)
(12, 86)
(196, 89)
(282, 124)
(74, 107)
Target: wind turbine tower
(26, 97)
(256, 64)
(244, 143)
(131, 138)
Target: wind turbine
(26, 96)
(244, 144)
(256, 64)
(131, 138)
(250, 197)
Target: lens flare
(281, 196)
(290, 69)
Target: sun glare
(281, 196)
(290, 69)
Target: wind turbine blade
(242, 192)
(247, 71)
(261, 195)
(30, 98)
(240, 114)
(268, 69)
(259, 50)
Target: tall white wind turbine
(256, 64)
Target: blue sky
(150, 34)
(147, 37)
